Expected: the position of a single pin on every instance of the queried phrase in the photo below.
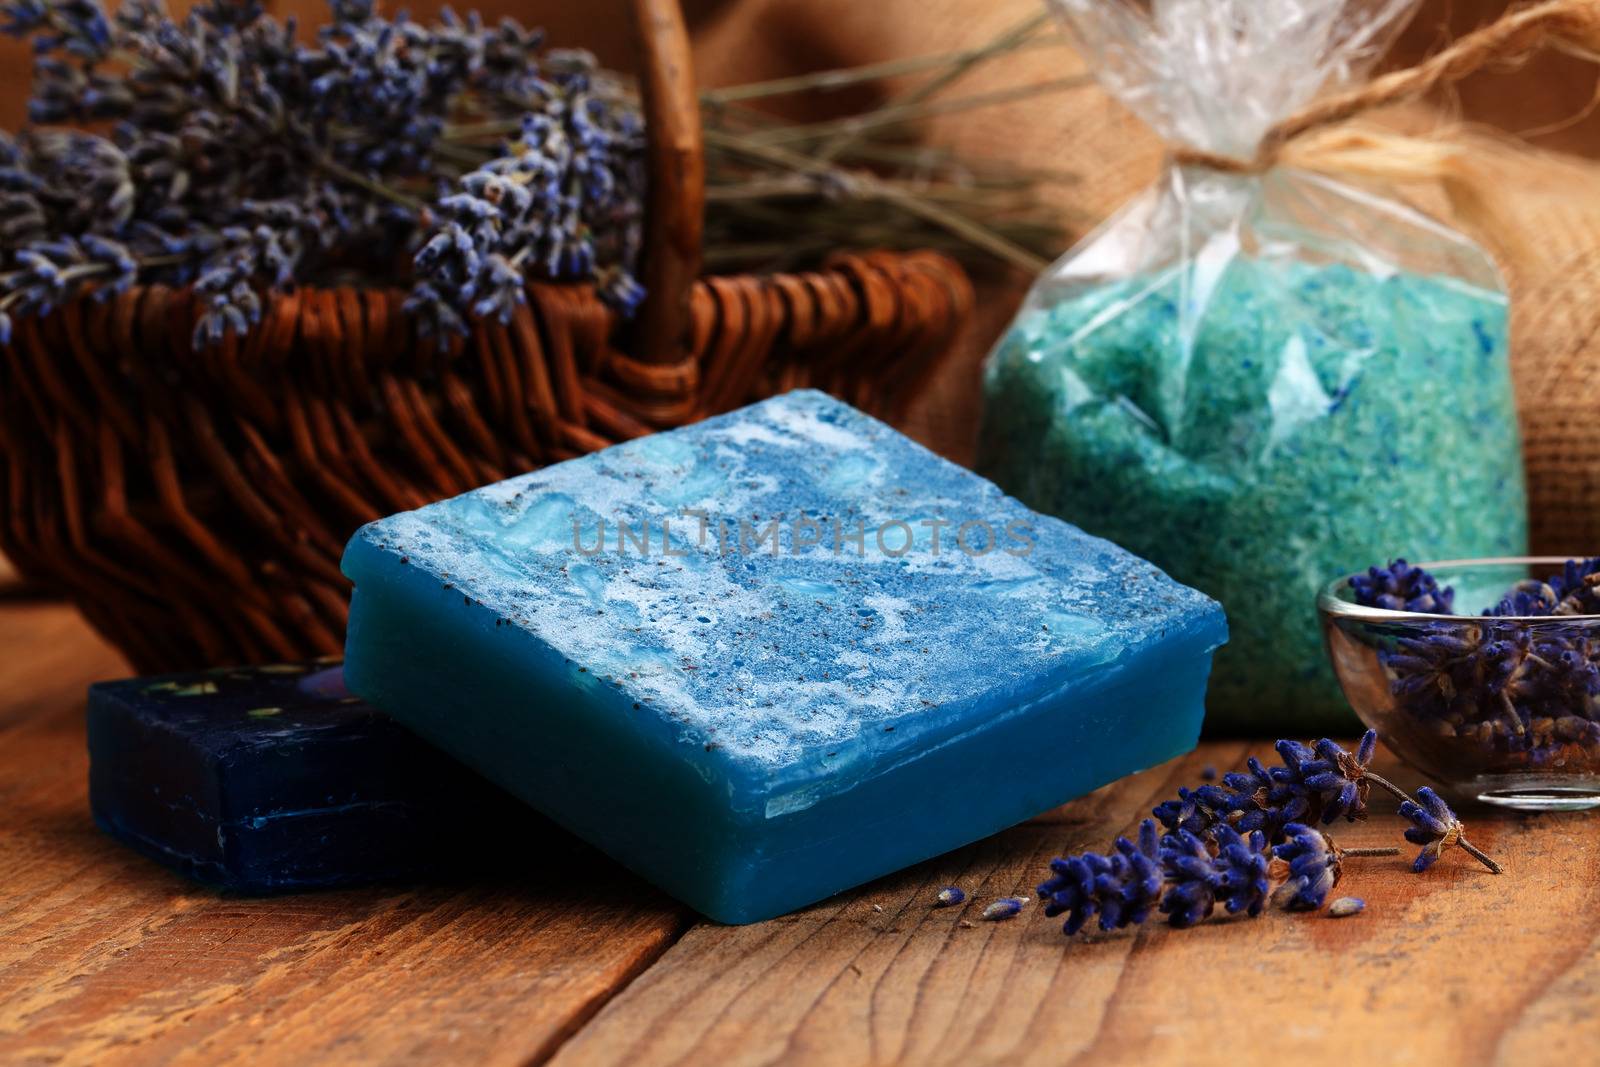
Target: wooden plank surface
(1455, 967)
(105, 958)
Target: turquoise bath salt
(1259, 378)
(1324, 417)
(774, 654)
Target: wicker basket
(194, 504)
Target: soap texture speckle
(1258, 431)
(718, 647)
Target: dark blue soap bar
(269, 778)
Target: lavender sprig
(564, 199)
(1312, 865)
(1320, 782)
(1436, 828)
(1179, 874)
(1225, 844)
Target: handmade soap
(774, 654)
(260, 779)
(1259, 431)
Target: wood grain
(106, 958)
(1457, 967)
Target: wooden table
(108, 959)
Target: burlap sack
(1553, 267)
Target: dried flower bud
(1313, 868)
(1433, 826)
(1346, 906)
(1004, 908)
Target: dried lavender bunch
(1575, 591)
(366, 131)
(1504, 687)
(244, 162)
(1401, 587)
(1525, 694)
(1225, 845)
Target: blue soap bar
(261, 779)
(774, 654)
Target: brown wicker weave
(195, 504)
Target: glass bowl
(1503, 710)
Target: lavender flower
(1575, 591)
(1402, 587)
(1210, 857)
(1122, 888)
(1267, 798)
(1313, 868)
(1235, 877)
(1531, 597)
(1337, 781)
(1198, 810)
(1317, 782)
(1179, 874)
(1435, 827)
(1578, 586)
(244, 162)
(77, 28)
(563, 198)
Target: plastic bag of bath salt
(1259, 378)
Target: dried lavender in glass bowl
(1503, 706)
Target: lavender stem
(1477, 854)
(1384, 783)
